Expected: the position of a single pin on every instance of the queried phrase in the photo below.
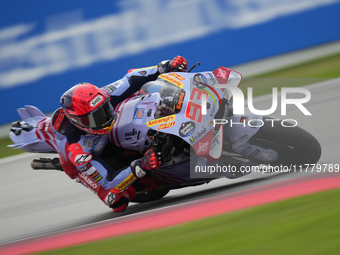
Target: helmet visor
(100, 118)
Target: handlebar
(196, 64)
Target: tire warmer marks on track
(177, 214)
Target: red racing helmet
(88, 108)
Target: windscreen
(171, 97)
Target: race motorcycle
(177, 114)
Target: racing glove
(149, 161)
(178, 64)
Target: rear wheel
(143, 197)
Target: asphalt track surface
(35, 203)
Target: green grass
(327, 67)
(298, 75)
(303, 225)
(6, 151)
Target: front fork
(240, 129)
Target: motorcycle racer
(81, 128)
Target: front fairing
(187, 119)
(137, 115)
(183, 117)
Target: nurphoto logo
(238, 104)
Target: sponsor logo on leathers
(82, 158)
(96, 101)
(87, 181)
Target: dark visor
(100, 118)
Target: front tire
(294, 145)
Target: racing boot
(139, 167)
(122, 199)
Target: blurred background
(47, 47)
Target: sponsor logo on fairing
(198, 135)
(221, 73)
(212, 111)
(160, 120)
(253, 123)
(211, 78)
(216, 140)
(177, 76)
(180, 101)
(166, 125)
(202, 146)
(171, 80)
(199, 80)
(187, 129)
(139, 112)
(244, 120)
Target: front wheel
(294, 145)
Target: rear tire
(294, 145)
(143, 197)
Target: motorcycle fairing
(137, 114)
(240, 136)
(38, 138)
(227, 76)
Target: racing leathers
(85, 157)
